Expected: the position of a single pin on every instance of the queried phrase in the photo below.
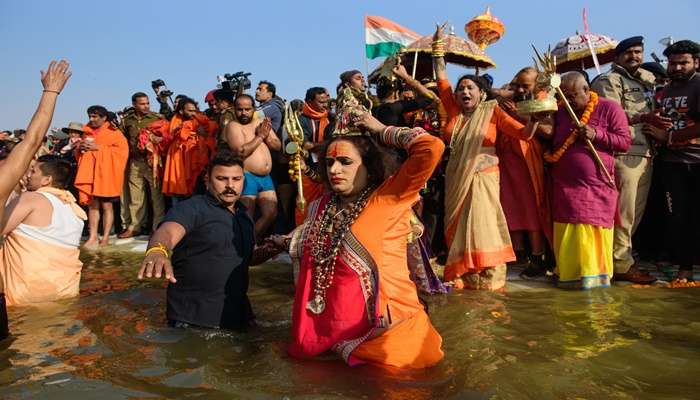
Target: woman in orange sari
(476, 230)
(353, 294)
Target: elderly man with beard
(523, 195)
(680, 100)
(584, 202)
(252, 140)
(633, 88)
(203, 248)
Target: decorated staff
(295, 148)
(548, 77)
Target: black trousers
(682, 183)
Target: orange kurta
(188, 154)
(100, 173)
(380, 232)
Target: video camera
(236, 83)
(161, 90)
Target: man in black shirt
(680, 101)
(211, 240)
(391, 110)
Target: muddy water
(112, 343)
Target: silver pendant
(316, 305)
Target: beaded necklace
(324, 252)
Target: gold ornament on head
(547, 82)
(550, 79)
(485, 29)
(349, 110)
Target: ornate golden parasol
(574, 52)
(458, 51)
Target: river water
(112, 343)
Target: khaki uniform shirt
(131, 126)
(635, 93)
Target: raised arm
(512, 127)
(53, 79)
(424, 153)
(439, 52)
(422, 92)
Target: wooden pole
(415, 64)
(589, 144)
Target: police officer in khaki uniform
(633, 88)
(139, 174)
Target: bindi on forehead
(340, 148)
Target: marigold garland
(552, 157)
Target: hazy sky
(118, 48)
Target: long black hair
(373, 158)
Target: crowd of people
(392, 185)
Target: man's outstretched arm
(16, 164)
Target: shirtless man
(17, 162)
(252, 140)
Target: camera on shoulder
(237, 82)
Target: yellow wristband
(158, 247)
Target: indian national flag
(384, 37)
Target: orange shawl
(321, 117)
(531, 152)
(100, 173)
(188, 154)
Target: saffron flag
(384, 37)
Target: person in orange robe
(523, 198)
(192, 143)
(102, 157)
(364, 307)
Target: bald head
(575, 89)
(523, 85)
(573, 78)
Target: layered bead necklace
(324, 252)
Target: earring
(483, 96)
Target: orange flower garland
(555, 156)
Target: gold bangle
(52, 91)
(158, 247)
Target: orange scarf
(321, 117)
